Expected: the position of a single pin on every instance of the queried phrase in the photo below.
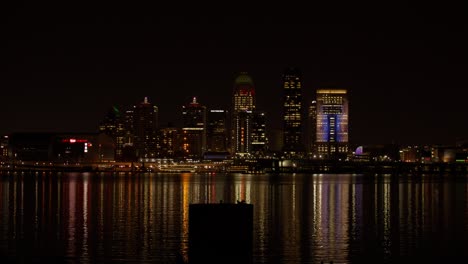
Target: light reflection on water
(298, 218)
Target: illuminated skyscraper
(312, 126)
(128, 149)
(244, 93)
(194, 129)
(113, 126)
(292, 111)
(332, 122)
(169, 142)
(243, 105)
(145, 128)
(217, 130)
(259, 140)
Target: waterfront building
(169, 142)
(292, 112)
(145, 128)
(194, 129)
(259, 140)
(113, 126)
(217, 130)
(61, 147)
(312, 127)
(332, 123)
(244, 93)
(4, 143)
(243, 106)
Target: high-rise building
(194, 129)
(113, 126)
(145, 130)
(169, 142)
(4, 144)
(259, 140)
(242, 123)
(128, 148)
(244, 93)
(312, 126)
(292, 111)
(332, 122)
(243, 105)
(217, 130)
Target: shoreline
(304, 167)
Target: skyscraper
(128, 149)
(312, 126)
(169, 142)
(259, 140)
(243, 105)
(113, 126)
(292, 111)
(332, 122)
(217, 130)
(244, 93)
(145, 128)
(194, 129)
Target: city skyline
(63, 71)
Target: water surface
(298, 218)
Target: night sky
(63, 67)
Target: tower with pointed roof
(243, 106)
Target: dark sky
(63, 67)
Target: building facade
(169, 142)
(244, 93)
(292, 112)
(194, 129)
(243, 107)
(217, 130)
(113, 126)
(332, 123)
(312, 127)
(145, 130)
(259, 139)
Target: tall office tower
(259, 140)
(194, 129)
(169, 142)
(292, 111)
(217, 131)
(242, 124)
(243, 105)
(332, 122)
(145, 128)
(312, 126)
(4, 144)
(244, 93)
(128, 149)
(113, 126)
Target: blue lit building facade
(332, 123)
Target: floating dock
(220, 233)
